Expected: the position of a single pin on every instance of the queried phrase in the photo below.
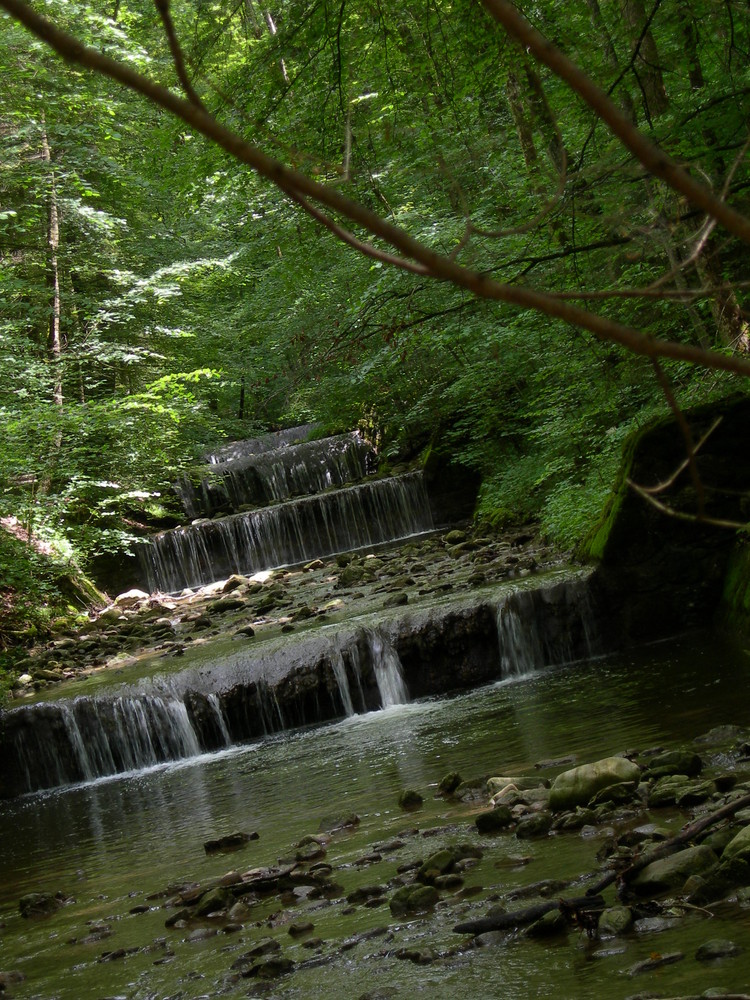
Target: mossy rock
(410, 799)
(493, 820)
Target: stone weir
(271, 475)
(285, 683)
(350, 518)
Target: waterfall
(388, 670)
(221, 722)
(293, 532)
(66, 742)
(545, 627)
(269, 476)
(256, 446)
(339, 672)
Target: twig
(713, 522)
(174, 45)
(666, 483)
(687, 436)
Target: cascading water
(269, 476)
(533, 634)
(388, 670)
(293, 532)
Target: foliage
(197, 304)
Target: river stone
(615, 920)
(40, 904)
(410, 799)
(438, 863)
(623, 791)
(672, 872)
(665, 791)
(522, 784)
(269, 968)
(537, 825)
(552, 924)
(411, 898)
(449, 783)
(214, 901)
(675, 762)
(131, 598)
(717, 948)
(495, 819)
(738, 845)
(696, 792)
(578, 785)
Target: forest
(515, 237)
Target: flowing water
(111, 844)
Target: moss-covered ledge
(659, 574)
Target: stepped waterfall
(306, 500)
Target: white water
(389, 673)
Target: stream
(111, 844)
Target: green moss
(735, 604)
(591, 547)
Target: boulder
(493, 820)
(675, 762)
(672, 872)
(410, 799)
(578, 785)
(131, 598)
(717, 948)
(738, 845)
(413, 898)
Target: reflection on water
(136, 833)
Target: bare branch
(687, 436)
(683, 516)
(174, 46)
(666, 483)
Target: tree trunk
(610, 55)
(646, 65)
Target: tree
(444, 171)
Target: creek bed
(110, 844)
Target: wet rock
(223, 604)
(537, 825)
(721, 735)
(265, 946)
(695, 793)
(552, 924)
(413, 899)
(656, 962)
(131, 598)
(11, 978)
(672, 872)
(675, 762)
(497, 786)
(619, 794)
(351, 574)
(396, 600)
(300, 928)
(449, 783)
(214, 901)
(410, 799)
(738, 846)
(420, 956)
(615, 920)
(665, 791)
(717, 948)
(364, 893)
(40, 904)
(436, 864)
(577, 786)
(455, 537)
(235, 580)
(269, 968)
(731, 873)
(495, 819)
(230, 841)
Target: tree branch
(297, 186)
